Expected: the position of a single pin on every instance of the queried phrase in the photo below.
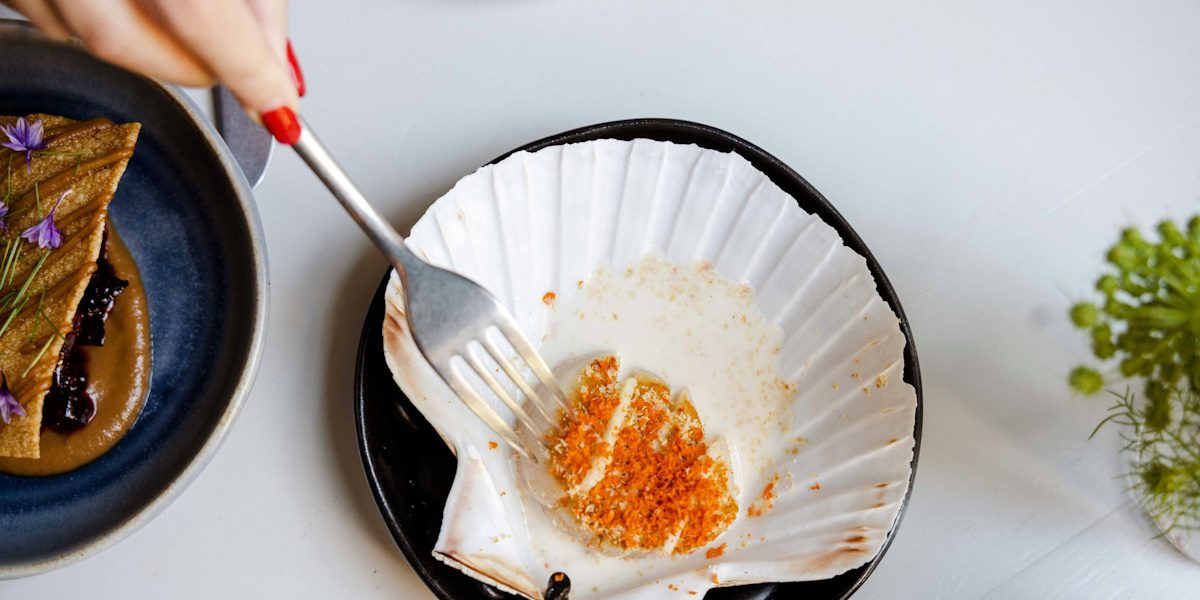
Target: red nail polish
(297, 74)
(283, 124)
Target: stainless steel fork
(457, 324)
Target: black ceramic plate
(185, 212)
(410, 469)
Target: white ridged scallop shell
(543, 221)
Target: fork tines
(545, 396)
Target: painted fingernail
(283, 124)
(297, 74)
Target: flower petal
(16, 132)
(34, 137)
(8, 403)
(24, 137)
(44, 234)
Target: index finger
(226, 36)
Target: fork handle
(314, 153)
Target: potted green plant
(1144, 328)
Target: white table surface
(987, 155)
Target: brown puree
(118, 378)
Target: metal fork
(452, 318)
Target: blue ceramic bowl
(186, 213)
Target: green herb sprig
(1146, 326)
(1166, 460)
(78, 156)
(27, 138)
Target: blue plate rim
(245, 383)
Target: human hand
(239, 43)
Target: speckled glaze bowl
(187, 215)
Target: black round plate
(410, 469)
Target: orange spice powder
(766, 501)
(715, 552)
(659, 484)
(768, 494)
(582, 436)
(548, 298)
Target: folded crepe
(40, 289)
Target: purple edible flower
(8, 403)
(24, 137)
(3, 213)
(45, 234)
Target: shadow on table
(356, 289)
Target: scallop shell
(544, 221)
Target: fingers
(272, 17)
(42, 14)
(242, 43)
(122, 33)
(225, 35)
